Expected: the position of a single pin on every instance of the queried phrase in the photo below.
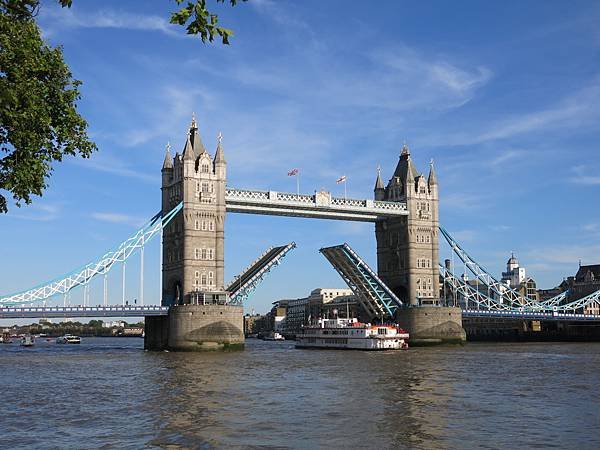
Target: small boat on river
(27, 340)
(68, 339)
(274, 336)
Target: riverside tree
(39, 122)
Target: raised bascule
(199, 310)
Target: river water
(109, 393)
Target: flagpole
(344, 191)
(298, 184)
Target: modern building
(302, 311)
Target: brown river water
(109, 393)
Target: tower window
(211, 225)
(196, 253)
(204, 225)
(210, 253)
(205, 188)
(203, 253)
(196, 225)
(203, 279)
(205, 168)
(211, 278)
(197, 274)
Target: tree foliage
(201, 20)
(39, 122)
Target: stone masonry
(193, 243)
(408, 247)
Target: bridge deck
(321, 205)
(246, 282)
(529, 315)
(371, 292)
(25, 312)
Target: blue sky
(504, 96)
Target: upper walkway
(321, 205)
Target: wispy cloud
(505, 157)
(582, 176)
(118, 218)
(576, 110)
(36, 212)
(105, 162)
(54, 18)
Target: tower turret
(379, 189)
(195, 140)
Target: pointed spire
(219, 155)
(405, 170)
(378, 182)
(405, 150)
(194, 137)
(432, 179)
(168, 162)
(188, 151)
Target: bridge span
(321, 205)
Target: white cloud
(582, 176)
(118, 218)
(55, 18)
(505, 157)
(574, 111)
(36, 212)
(105, 162)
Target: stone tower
(407, 247)
(193, 243)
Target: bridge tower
(407, 246)
(408, 254)
(200, 317)
(193, 244)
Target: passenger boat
(5, 338)
(27, 340)
(68, 339)
(274, 336)
(352, 334)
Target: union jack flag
(293, 172)
(341, 179)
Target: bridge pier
(432, 325)
(196, 328)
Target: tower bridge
(200, 310)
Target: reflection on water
(110, 393)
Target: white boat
(5, 338)
(68, 339)
(351, 334)
(274, 336)
(27, 340)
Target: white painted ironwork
(101, 266)
(244, 284)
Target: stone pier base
(196, 328)
(432, 325)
